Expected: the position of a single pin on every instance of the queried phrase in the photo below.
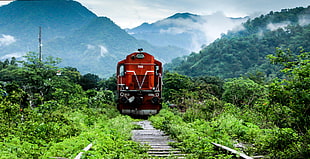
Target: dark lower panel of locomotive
(139, 104)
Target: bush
(240, 92)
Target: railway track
(157, 140)
(159, 143)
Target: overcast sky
(131, 13)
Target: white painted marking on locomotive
(138, 82)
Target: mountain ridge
(243, 52)
(185, 30)
(95, 44)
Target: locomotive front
(139, 84)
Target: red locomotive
(139, 84)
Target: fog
(6, 40)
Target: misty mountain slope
(96, 47)
(185, 30)
(244, 52)
(21, 20)
(170, 31)
(57, 18)
(69, 31)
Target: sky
(132, 13)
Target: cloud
(6, 40)
(275, 26)
(90, 47)
(181, 25)
(8, 56)
(4, 2)
(217, 24)
(304, 20)
(131, 13)
(203, 29)
(209, 28)
(97, 48)
(103, 50)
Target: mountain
(186, 30)
(70, 31)
(21, 20)
(100, 45)
(244, 52)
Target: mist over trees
(244, 52)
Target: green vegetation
(269, 119)
(46, 113)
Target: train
(139, 84)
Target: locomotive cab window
(121, 70)
(156, 70)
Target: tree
(109, 83)
(241, 91)
(35, 74)
(72, 73)
(174, 84)
(89, 81)
(293, 92)
(208, 84)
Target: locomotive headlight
(126, 87)
(140, 56)
(124, 100)
(155, 100)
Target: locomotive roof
(138, 57)
(135, 53)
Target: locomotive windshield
(156, 70)
(121, 70)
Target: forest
(48, 111)
(243, 52)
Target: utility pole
(40, 45)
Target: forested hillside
(244, 52)
(72, 32)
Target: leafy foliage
(293, 92)
(259, 118)
(239, 91)
(46, 113)
(89, 81)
